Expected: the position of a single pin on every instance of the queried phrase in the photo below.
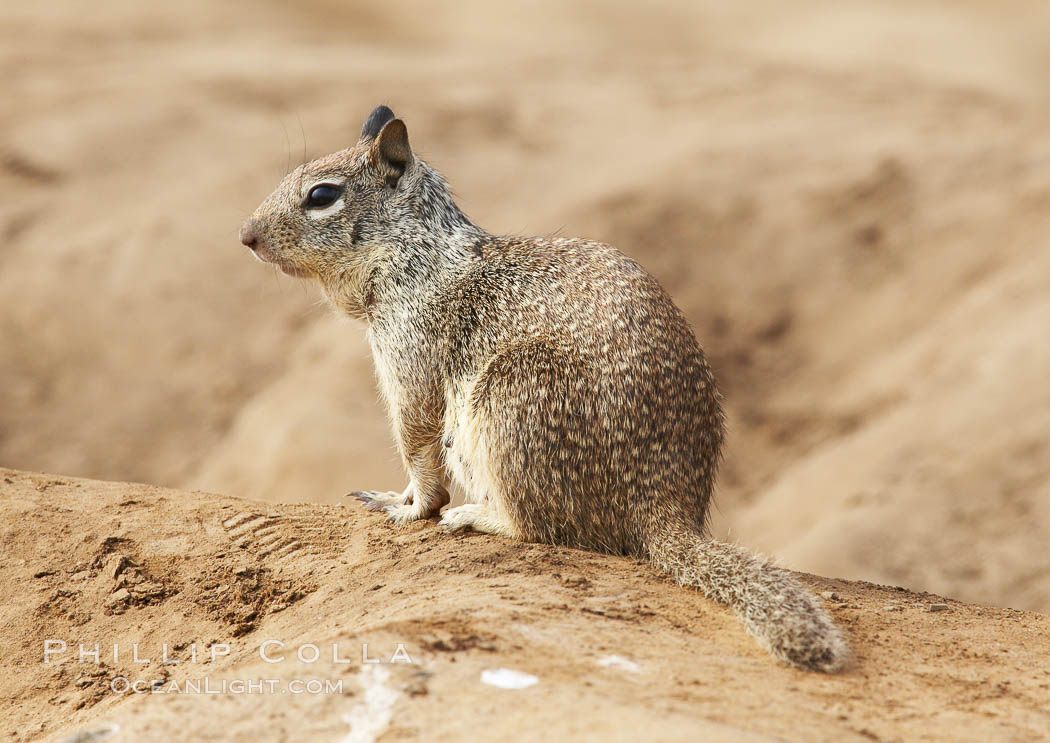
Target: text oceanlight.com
(122, 685)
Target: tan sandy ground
(200, 569)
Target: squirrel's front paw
(374, 500)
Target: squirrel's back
(629, 429)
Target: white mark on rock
(89, 736)
(615, 661)
(370, 718)
(505, 678)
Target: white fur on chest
(389, 384)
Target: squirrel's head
(328, 218)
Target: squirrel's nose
(250, 232)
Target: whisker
(287, 149)
(302, 131)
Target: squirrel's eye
(322, 195)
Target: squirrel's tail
(785, 618)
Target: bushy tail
(785, 618)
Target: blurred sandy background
(851, 201)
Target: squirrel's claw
(368, 499)
(374, 500)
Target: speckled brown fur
(553, 379)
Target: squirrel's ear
(376, 120)
(392, 151)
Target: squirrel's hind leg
(479, 517)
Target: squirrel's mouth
(265, 256)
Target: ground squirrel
(553, 379)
